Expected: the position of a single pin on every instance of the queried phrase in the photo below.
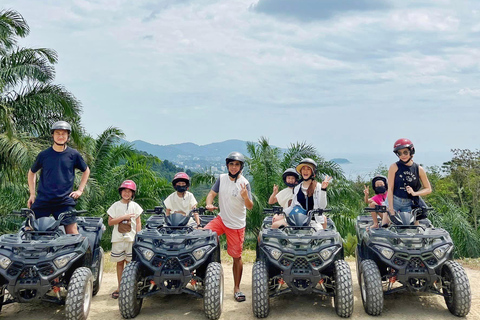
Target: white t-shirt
(284, 196)
(232, 206)
(176, 203)
(185, 204)
(119, 209)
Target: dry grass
(470, 263)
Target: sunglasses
(405, 153)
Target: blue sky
(346, 76)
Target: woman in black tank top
(407, 181)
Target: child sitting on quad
(124, 216)
(284, 197)
(309, 194)
(182, 201)
(380, 186)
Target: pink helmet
(128, 184)
(181, 176)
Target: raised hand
(366, 191)
(275, 189)
(326, 181)
(244, 191)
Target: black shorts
(55, 211)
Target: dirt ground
(398, 306)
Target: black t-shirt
(406, 176)
(57, 176)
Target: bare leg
(71, 228)
(237, 273)
(120, 267)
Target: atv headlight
(146, 253)
(4, 262)
(275, 253)
(440, 251)
(200, 252)
(386, 252)
(327, 253)
(62, 261)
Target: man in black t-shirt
(55, 188)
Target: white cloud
(469, 92)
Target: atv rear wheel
(260, 297)
(99, 274)
(213, 297)
(79, 295)
(128, 301)
(371, 288)
(343, 289)
(456, 289)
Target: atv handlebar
(156, 210)
(274, 210)
(377, 208)
(319, 211)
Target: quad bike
(170, 257)
(42, 263)
(300, 259)
(408, 257)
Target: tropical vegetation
(30, 102)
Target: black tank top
(406, 176)
(304, 200)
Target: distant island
(340, 160)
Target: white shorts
(121, 251)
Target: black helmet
(61, 125)
(235, 156)
(307, 162)
(290, 172)
(379, 177)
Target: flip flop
(115, 294)
(239, 296)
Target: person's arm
(209, 202)
(32, 179)
(83, 182)
(391, 184)
(366, 193)
(114, 221)
(273, 197)
(426, 187)
(246, 195)
(138, 223)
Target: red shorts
(235, 237)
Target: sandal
(115, 294)
(239, 296)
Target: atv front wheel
(128, 301)
(213, 297)
(99, 275)
(79, 295)
(260, 298)
(456, 289)
(343, 289)
(371, 288)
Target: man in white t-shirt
(182, 200)
(234, 198)
(124, 216)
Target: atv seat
(155, 221)
(205, 219)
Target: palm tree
(29, 104)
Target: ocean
(364, 165)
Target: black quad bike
(299, 259)
(408, 257)
(170, 257)
(42, 263)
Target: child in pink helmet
(124, 216)
(182, 200)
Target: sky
(349, 77)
